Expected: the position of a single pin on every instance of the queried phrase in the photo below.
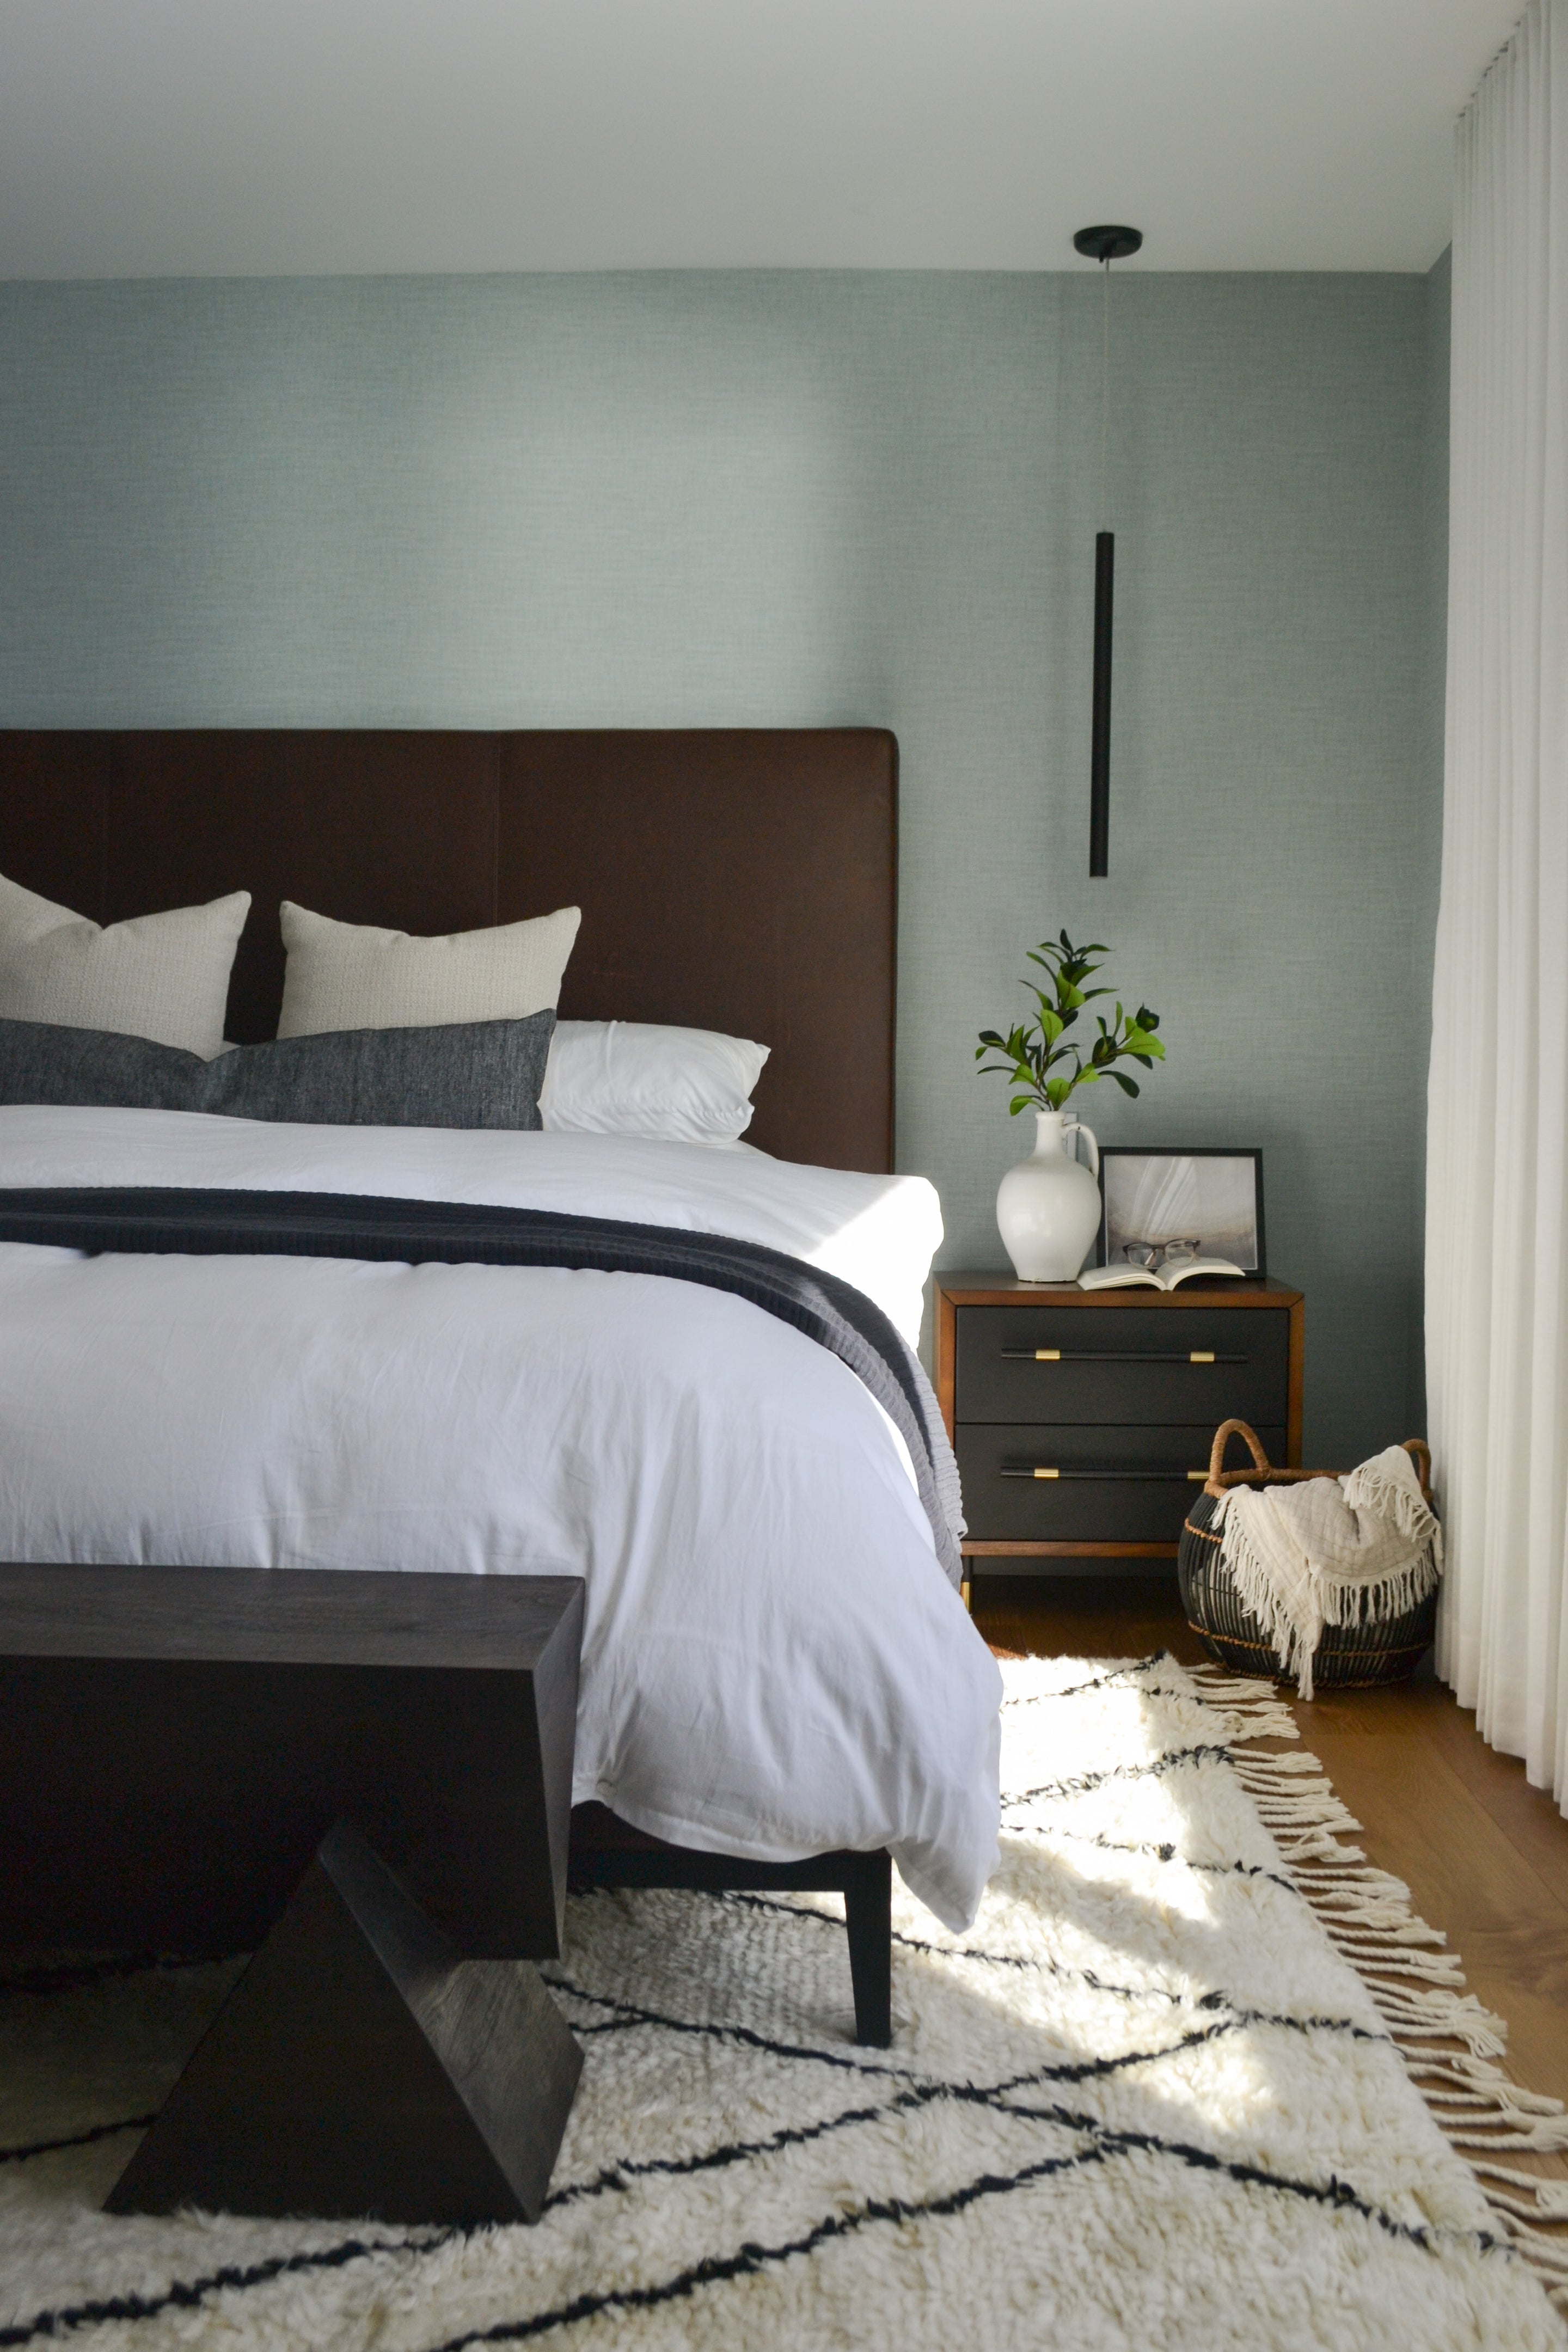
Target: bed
(775, 1668)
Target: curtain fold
(1496, 1187)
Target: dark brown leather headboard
(737, 880)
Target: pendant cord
(1105, 409)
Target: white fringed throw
(1330, 1551)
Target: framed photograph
(1208, 1204)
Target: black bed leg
(869, 1917)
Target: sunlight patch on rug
(1146, 2100)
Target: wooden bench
(366, 1780)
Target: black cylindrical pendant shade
(1099, 750)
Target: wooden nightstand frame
(956, 1290)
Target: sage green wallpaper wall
(803, 498)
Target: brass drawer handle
(1165, 1478)
(1115, 1356)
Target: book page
(1197, 1265)
(1119, 1277)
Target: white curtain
(1496, 1187)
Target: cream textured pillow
(159, 976)
(352, 976)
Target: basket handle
(1222, 1436)
(1420, 1452)
(1220, 1480)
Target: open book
(1118, 1278)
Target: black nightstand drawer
(1199, 1365)
(1110, 1484)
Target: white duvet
(773, 1662)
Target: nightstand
(1082, 1419)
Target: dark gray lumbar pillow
(463, 1073)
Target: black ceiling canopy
(1108, 244)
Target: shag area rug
(1147, 2101)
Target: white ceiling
(253, 136)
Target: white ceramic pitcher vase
(1048, 1205)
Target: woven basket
(1348, 1657)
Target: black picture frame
(1111, 1153)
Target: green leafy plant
(1035, 1048)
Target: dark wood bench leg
(360, 2066)
(869, 1917)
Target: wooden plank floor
(1484, 1855)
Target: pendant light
(1104, 245)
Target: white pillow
(636, 1077)
(353, 976)
(159, 976)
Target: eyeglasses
(1153, 1255)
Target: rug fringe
(1417, 1984)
